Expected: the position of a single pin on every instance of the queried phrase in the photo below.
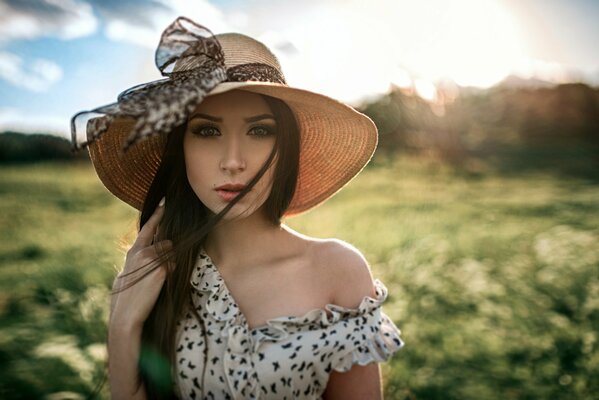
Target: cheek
(269, 176)
(197, 170)
(194, 175)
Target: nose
(233, 159)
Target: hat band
(254, 72)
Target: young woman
(218, 298)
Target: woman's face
(228, 138)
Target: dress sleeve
(361, 335)
(369, 338)
(341, 336)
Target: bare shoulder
(338, 269)
(347, 271)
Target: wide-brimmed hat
(126, 139)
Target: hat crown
(238, 49)
(242, 49)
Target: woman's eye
(262, 130)
(205, 131)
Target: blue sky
(57, 58)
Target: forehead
(233, 102)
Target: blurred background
(479, 209)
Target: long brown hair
(186, 222)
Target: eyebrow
(219, 119)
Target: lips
(232, 187)
(229, 191)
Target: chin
(237, 212)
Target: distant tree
(18, 147)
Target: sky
(58, 57)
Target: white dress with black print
(287, 358)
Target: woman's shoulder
(348, 271)
(345, 268)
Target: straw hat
(336, 140)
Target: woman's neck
(244, 239)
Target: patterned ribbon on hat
(193, 62)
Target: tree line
(16, 148)
(511, 128)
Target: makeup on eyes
(199, 128)
(195, 128)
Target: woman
(218, 298)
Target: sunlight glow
(472, 42)
(375, 44)
(425, 89)
(468, 42)
(402, 78)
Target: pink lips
(229, 191)
(227, 196)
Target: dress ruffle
(383, 338)
(378, 346)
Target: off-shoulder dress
(289, 357)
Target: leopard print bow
(192, 60)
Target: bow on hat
(191, 58)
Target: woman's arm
(123, 355)
(350, 273)
(359, 383)
(130, 307)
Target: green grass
(493, 280)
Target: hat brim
(336, 143)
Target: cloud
(122, 27)
(29, 19)
(134, 12)
(38, 75)
(70, 19)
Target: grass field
(493, 280)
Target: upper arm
(351, 280)
(359, 383)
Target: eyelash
(196, 131)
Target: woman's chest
(271, 363)
(288, 289)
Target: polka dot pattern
(289, 357)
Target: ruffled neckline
(221, 306)
(369, 333)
